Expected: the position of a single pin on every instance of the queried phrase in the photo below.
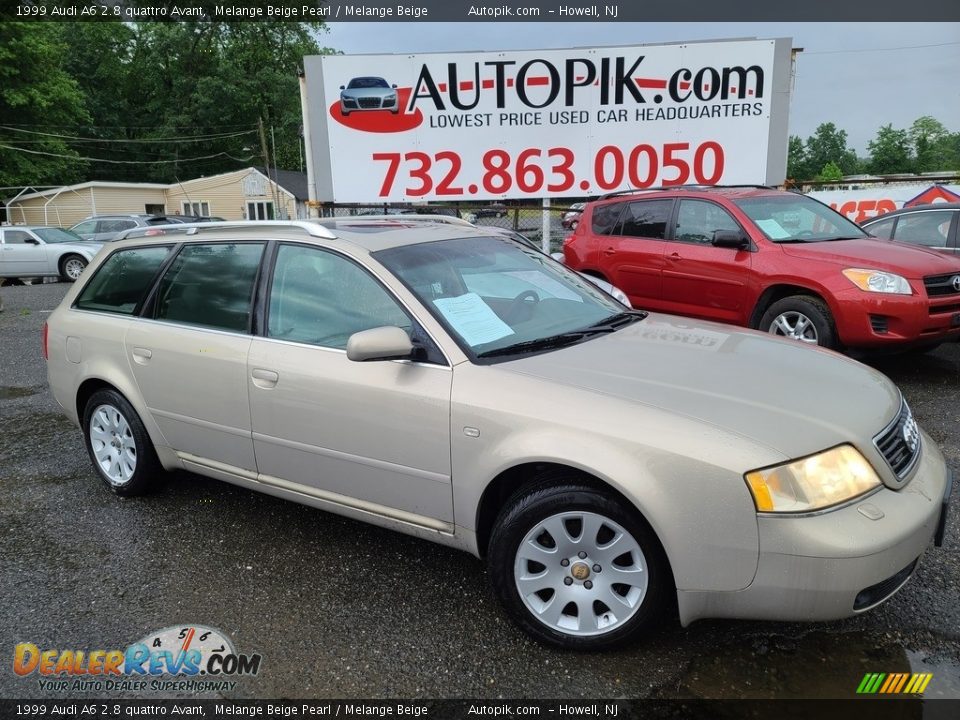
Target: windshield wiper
(607, 325)
(621, 319)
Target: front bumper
(840, 562)
(878, 320)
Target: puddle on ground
(817, 665)
(9, 393)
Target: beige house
(245, 194)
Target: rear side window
(647, 219)
(605, 218)
(116, 225)
(120, 284)
(210, 285)
(930, 228)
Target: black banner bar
(578, 11)
(873, 707)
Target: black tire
(131, 438)
(71, 266)
(555, 498)
(820, 328)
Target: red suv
(768, 259)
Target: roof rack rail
(692, 186)
(312, 228)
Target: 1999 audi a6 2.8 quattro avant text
(609, 464)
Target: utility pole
(266, 159)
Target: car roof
(914, 208)
(733, 192)
(370, 235)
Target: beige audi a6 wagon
(612, 466)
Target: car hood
(792, 398)
(908, 260)
(87, 246)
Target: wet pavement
(342, 609)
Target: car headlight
(878, 281)
(390, 98)
(620, 296)
(812, 483)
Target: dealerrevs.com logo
(180, 658)
(537, 84)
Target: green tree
(828, 144)
(797, 169)
(831, 172)
(931, 144)
(890, 152)
(40, 101)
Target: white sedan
(37, 251)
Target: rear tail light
(44, 334)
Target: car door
(188, 353)
(699, 278)
(86, 229)
(369, 435)
(631, 256)
(22, 254)
(108, 229)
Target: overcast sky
(869, 84)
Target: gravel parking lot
(342, 609)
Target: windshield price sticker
(547, 123)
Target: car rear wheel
(71, 267)
(576, 569)
(118, 444)
(803, 318)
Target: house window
(260, 211)
(200, 209)
(152, 209)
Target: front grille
(868, 597)
(369, 102)
(938, 285)
(899, 443)
(879, 324)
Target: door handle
(265, 379)
(610, 251)
(142, 355)
(674, 256)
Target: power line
(123, 162)
(186, 138)
(868, 50)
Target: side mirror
(381, 343)
(31, 241)
(394, 87)
(730, 239)
(343, 87)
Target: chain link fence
(524, 219)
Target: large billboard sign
(547, 123)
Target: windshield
(501, 299)
(368, 82)
(797, 218)
(57, 235)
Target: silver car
(609, 464)
(368, 93)
(43, 251)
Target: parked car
(105, 228)
(368, 93)
(497, 210)
(930, 226)
(571, 218)
(43, 251)
(609, 464)
(767, 259)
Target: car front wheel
(118, 444)
(802, 318)
(71, 268)
(576, 569)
